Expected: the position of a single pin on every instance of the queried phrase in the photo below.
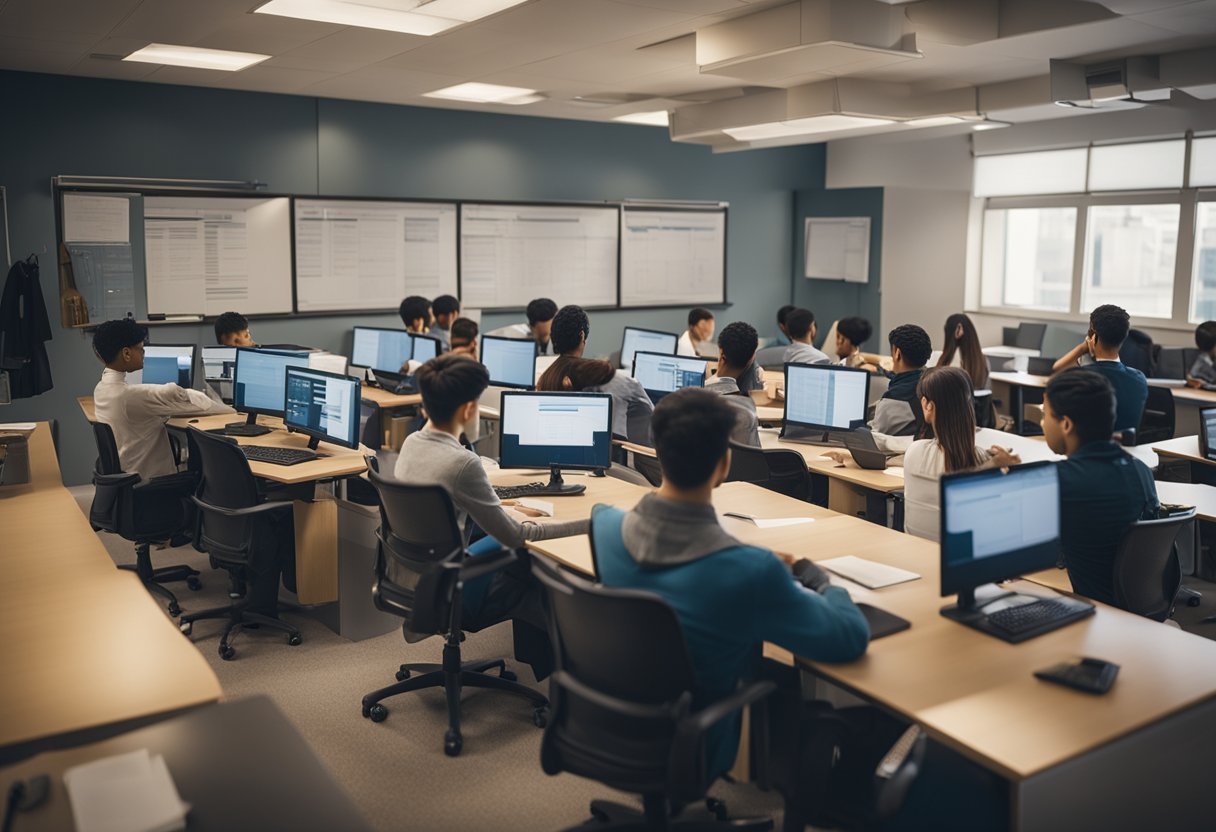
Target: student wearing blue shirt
(1108, 328)
(730, 597)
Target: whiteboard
(510, 254)
(207, 254)
(838, 248)
(369, 254)
(672, 257)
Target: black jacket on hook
(24, 329)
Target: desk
(1199, 495)
(87, 650)
(852, 490)
(240, 765)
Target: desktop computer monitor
(323, 406)
(825, 397)
(259, 379)
(649, 340)
(425, 348)
(167, 364)
(1207, 432)
(511, 362)
(1030, 336)
(380, 349)
(555, 431)
(219, 362)
(660, 374)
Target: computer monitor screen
(511, 362)
(646, 339)
(165, 364)
(1030, 336)
(826, 396)
(660, 374)
(259, 379)
(1207, 432)
(219, 362)
(380, 349)
(425, 348)
(568, 430)
(997, 525)
(323, 405)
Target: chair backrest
(1137, 351)
(777, 470)
(1157, 421)
(771, 358)
(985, 411)
(225, 482)
(1147, 574)
(111, 508)
(1009, 336)
(1171, 363)
(107, 449)
(648, 467)
(371, 431)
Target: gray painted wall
(319, 146)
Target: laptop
(1207, 432)
(1039, 366)
(864, 449)
(395, 383)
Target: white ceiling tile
(604, 64)
(1189, 19)
(581, 22)
(178, 21)
(476, 51)
(265, 35)
(118, 70)
(1070, 41)
(54, 62)
(393, 84)
(690, 7)
(59, 19)
(357, 45)
(11, 44)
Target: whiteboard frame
(722, 207)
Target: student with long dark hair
(961, 348)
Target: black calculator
(1089, 675)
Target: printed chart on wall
(838, 248)
(673, 257)
(510, 254)
(100, 272)
(365, 254)
(207, 255)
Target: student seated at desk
(540, 314)
(232, 330)
(783, 334)
(464, 338)
(962, 349)
(851, 333)
(1203, 372)
(736, 348)
(801, 327)
(730, 597)
(700, 331)
(1108, 327)
(137, 413)
(945, 398)
(415, 313)
(898, 412)
(446, 309)
(631, 407)
(1103, 489)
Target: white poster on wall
(838, 248)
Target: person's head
(701, 324)
(851, 333)
(1205, 336)
(1078, 408)
(692, 428)
(446, 309)
(736, 348)
(569, 331)
(910, 347)
(232, 330)
(782, 317)
(1109, 325)
(416, 313)
(945, 397)
(572, 374)
(960, 337)
(450, 386)
(463, 336)
(540, 314)
(120, 344)
(800, 325)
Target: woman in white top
(700, 331)
(945, 397)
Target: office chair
(1157, 421)
(242, 532)
(421, 568)
(777, 470)
(622, 705)
(985, 409)
(1137, 351)
(141, 512)
(1148, 577)
(648, 467)
(771, 358)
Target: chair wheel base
(295, 640)
(186, 627)
(540, 717)
(452, 743)
(376, 713)
(174, 610)
(227, 653)
(194, 583)
(1194, 601)
(509, 675)
(402, 675)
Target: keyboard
(277, 456)
(514, 492)
(1038, 616)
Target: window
(1203, 280)
(1130, 167)
(1203, 162)
(1129, 258)
(1028, 257)
(1045, 172)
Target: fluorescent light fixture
(486, 94)
(192, 56)
(990, 124)
(413, 17)
(802, 126)
(655, 118)
(933, 121)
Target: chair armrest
(183, 483)
(115, 480)
(686, 774)
(706, 718)
(478, 565)
(632, 710)
(248, 511)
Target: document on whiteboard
(95, 218)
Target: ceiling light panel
(193, 56)
(802, 127)
(657, 118)
(486, 94)
(411, 17)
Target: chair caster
(227, 653)
(194, 583)
(376, 713)
(1194, 601)
(295, 640)
(174, 610)
(717, 808)
(187, 627)
(402, 675)
(452, 743)
(540, 717)
(509, 675)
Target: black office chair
(421, 568)
(142, 512)
(1137, 351)
(1171, 363)
(985, 409)
(243, 533)
(1157, 421)
(622, 705)
(777, 470)
(648, 467)
(771, 358)
(1148, 577)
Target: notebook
(869, 574)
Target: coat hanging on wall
(24, 331)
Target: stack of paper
(769, 522)
(131, 792)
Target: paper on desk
(17, 426)
(894, 471)
(131, 792)
(769, 522)
(543, 506)
(868, 573)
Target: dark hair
(1205, 336)
(1110, 323)
(413, 308)
(857, 330)
(463, 329)
(784, 312)
(448, 381)
(698, 314)
(445, 305)
(570, 325)
(1085, 397)
(110, 337)
(949, 388)
(738, 342)
(973, 359)
(799, 323)
(541, 309)
(913, 342)
(229, 323)
(581, 373)
(692, 430)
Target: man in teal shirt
(730, 597)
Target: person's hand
(786, 558)
(1003, 457)
(1090, 340)
(526, 512)
(811, 576)
(1193, 382)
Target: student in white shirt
(540, 312)
(700, 331)
(945, 396)
(137, 413)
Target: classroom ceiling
(764, 69)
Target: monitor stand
(249, 427)
(813, 436)
(557, 487)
